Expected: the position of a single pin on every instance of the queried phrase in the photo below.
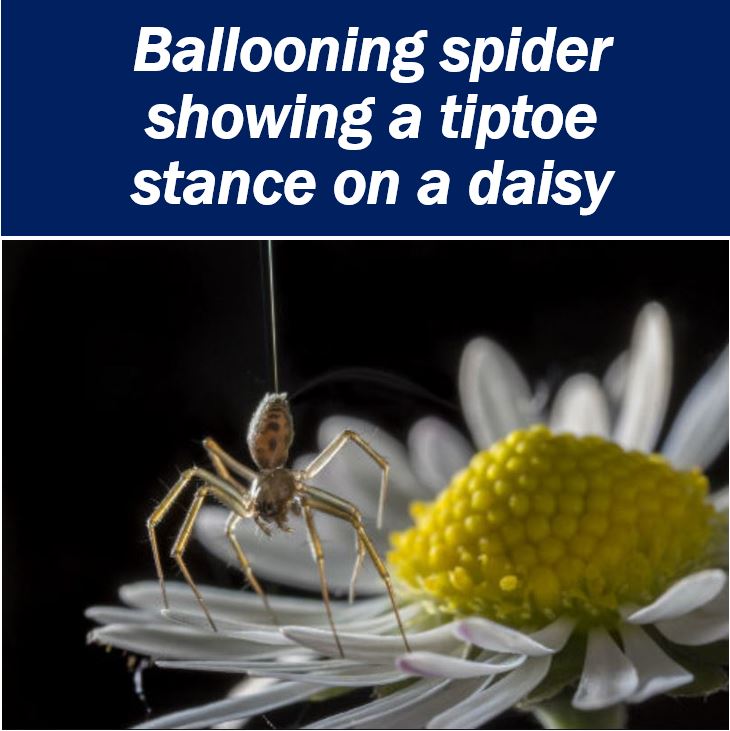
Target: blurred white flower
(466, 667)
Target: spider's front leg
(329, 452)
(245, 564)
(222, 461)
(187, 477)
(229, 497)
(194, 473)
(316, 499)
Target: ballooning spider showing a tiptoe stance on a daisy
(269, 495)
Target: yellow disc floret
(541, 524)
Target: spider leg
(222, 461)
(262, 526)
(319, 557)
(356, 568)
(231, 523)
(332, 505)
(329, 452)
(161, 510)
(186, 531)
(234, 498)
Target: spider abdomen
(271, 432)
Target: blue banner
(292, 119)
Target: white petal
(706, 624)
(247, 687)
(700, 431)
(494, 636)
(495, 396)
(173, 641)
(346, 618)
(540, 398)
(434, 665)
(580, 407)
(416, 715)
(223, 602)
(408, 708)
(357, 678)
(437, 451)
(372, 648)
(381, 707)
(695, 629)
(689, 593)
(386, 623)
(262, 664)
(657, 672)
(246, 606)
(230, 709)
(302, 460)
(719, 499)
(122, 615)
(614, 380)
(265, 634)
(608, 675)
(556, 634)
(483, 705)
(271, 635)
(286, 558)
(648, 381)
(718, 605)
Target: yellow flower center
(542, 524)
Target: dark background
(120, 356)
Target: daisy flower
(553, 562)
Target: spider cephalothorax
(274, 494)
(270, 496)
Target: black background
(120, 356)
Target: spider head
(271, 432)
(267, 509)
(273, 493)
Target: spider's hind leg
(319, 557)
(329, 452)
(360, 547)
(339, 508)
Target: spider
(272, 493)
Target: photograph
(365, 483)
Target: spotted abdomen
(271, 432)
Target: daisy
(562, 568)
